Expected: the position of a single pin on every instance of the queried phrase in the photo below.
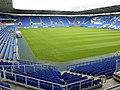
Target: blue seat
(97, 68)
(5, 85)
(95, 82)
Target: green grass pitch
(61, 44)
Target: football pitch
(61, 44)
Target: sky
(63, 5)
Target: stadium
(59, 48)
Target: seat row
(38, 81)
(78, 82)
(46, 78)
(105, 67)
(7, 44)
(4, 86)
(85, 84)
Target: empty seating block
(4, 85)
(46, 78)
(77, 82)
(105, 67)
(7, 45)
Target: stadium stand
(48, 77)
(64, 20)
(105, 67)
(105, 21)
(78, 82)
(36, 21)
(3, 16)
(7, 44)
(36, 75)
(46, 21)
(100, 21)
(4, 86)
(25, 21)
(86, 21)
(45, 76)
(55, 21)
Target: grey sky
(64, 5)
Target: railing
(38, 80)
(80, 83)
(4, 88)
(27, 77)
(85, 63)
(53, 84)
(35, 66)
(115, 87)
(32, 64)
(43, 66)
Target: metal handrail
(113, 87)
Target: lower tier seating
(78, 82)
(105, 67)
(4, 86)
(7, 44)
(39, 76)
